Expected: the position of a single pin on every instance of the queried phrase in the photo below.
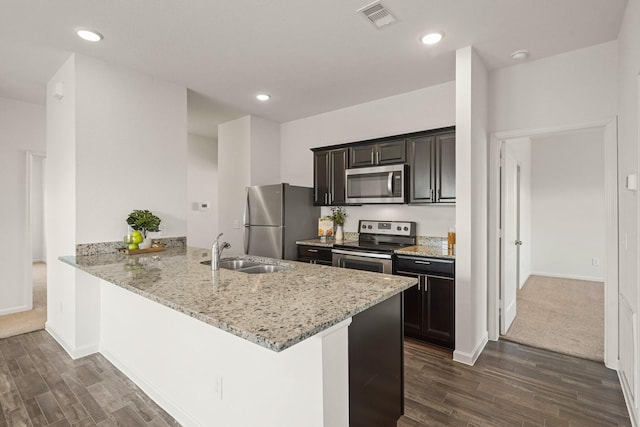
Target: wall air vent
(377, 14)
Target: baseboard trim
(569, 276)
(628, 401)
(161, 400)
(14, 310)
(470, 358)
(74, 353)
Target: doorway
(597, 265)
(560, 295)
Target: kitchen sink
(246, 266)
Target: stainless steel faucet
(216, 251)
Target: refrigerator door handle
(247, 236)
(247, 212)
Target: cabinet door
(439, 312)
(314, 254)
(421, 173)
(446, 167)
(321, 180)
(413, 307)
(338, 159)
(391, 152)
(362, 155)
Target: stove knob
(406, 229)
(399, 228)
(364, 226)
(369, 227)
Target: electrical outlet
(595, 261)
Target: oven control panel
(392, 228)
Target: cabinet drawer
(316, 253)
(428, 266)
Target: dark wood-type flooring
(40, 385)
(510, 385)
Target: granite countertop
(274, 310)
(426, 251)
(328, 243)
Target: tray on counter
(141, 251)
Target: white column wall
(22, 129)
(471, 205)
(109, 117)
(233, 176)
(202, 185)
(265, 151)
(61, 203)
(629, 244)
(131, 150)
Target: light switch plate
(632, 182)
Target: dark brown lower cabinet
(376, 365)
(429, 307)
(314, 254)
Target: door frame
(610, 127)
(28, 289)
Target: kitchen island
(230, 348)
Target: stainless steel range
(374, 250)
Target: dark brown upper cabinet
(329, 177)
(380, 153)
(432, 168)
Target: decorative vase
(339, 233)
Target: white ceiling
(312, 56)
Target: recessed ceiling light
(432, 38)
(263, 97)
(520, 55)
(89, 35)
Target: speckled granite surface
(85, 249)
(274, 310)
(328, 243)
(426, 250)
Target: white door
(510, 242)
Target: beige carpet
(32, 320)
(561, 315)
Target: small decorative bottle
(451, 242)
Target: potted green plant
(338, 215)
(144, 221)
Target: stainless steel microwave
(378, 184)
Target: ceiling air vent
(377, 14)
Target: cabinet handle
(325, 198)
(312, 250)
(419, 285)
(372, 162)
(425, 286)
(377, 157)
(422, 262)
(330, 197)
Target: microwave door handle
(390, 184)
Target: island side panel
(204, 376)
(376, 365)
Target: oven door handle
(362, 254)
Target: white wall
(61, 202)
(265, 151)
(248, 154)
(131, 144)
(22, 129)
(520, 149)
(567, 205)
(202, 185)
(471, 208)
(233, 176)
(628, 122)
(429, 108)
(116, 142)
(574, 87)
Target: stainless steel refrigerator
(275, 217)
